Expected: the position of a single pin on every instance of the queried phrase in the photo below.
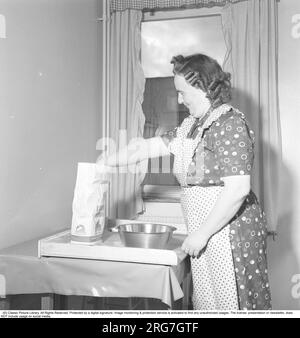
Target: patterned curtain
(121, 5)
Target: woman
(213, 157)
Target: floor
(33, 302)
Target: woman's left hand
(194, 243)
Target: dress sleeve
(169, 138)
(234, 144)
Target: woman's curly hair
(201, 71)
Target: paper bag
(89, 204)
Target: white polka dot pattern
(213, 272)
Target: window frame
(153, 193)
(167, 193)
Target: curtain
(250, 30)
(121, 5)
(126, 118)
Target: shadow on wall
(283, 261)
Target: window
(165, 34)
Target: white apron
(214, 284)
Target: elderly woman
(213, 158)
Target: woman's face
(193, 98)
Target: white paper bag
(89, 203)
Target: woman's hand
(195, 243)
(103, 171)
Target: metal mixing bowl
(145, 235)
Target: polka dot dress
(248, 237)
(231, 272)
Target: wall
(50, 105)
(284, 253)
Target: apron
(214, 283)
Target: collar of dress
(205, 122)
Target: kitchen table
(22, 272)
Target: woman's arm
(137, 151)
(227, 205)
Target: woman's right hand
(137, 150)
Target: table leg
(47, 302)
(4, 303)
(186, 288)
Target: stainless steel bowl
(145, 235)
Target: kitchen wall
(50, 110)
(284, 253)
